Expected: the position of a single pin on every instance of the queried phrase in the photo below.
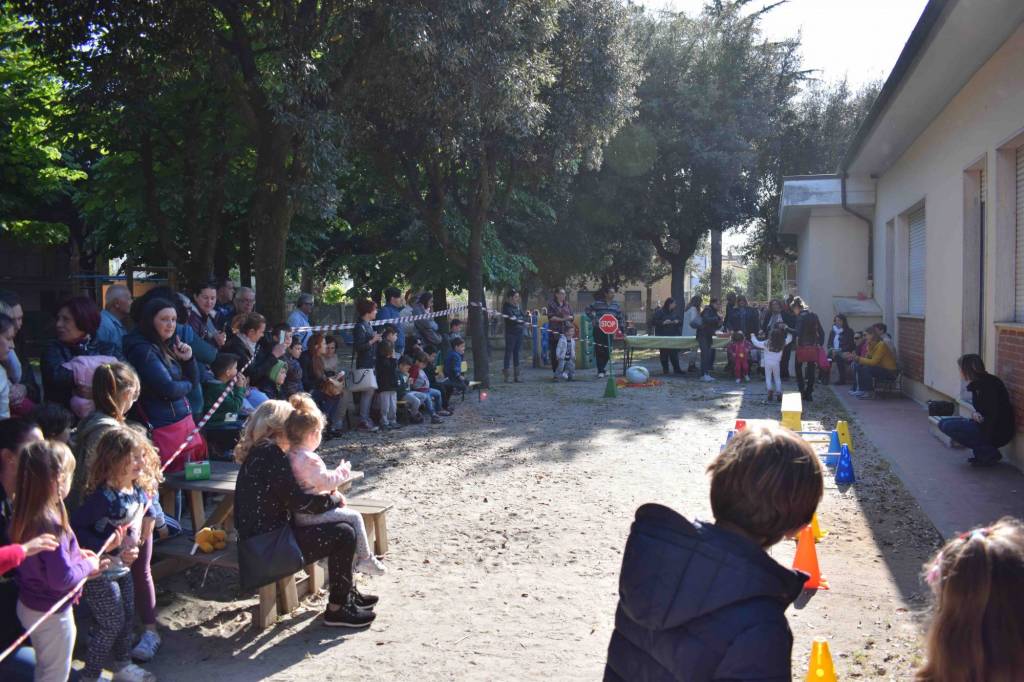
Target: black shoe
(679, 371)
(985, 462)
(367, 601)
(348, 616)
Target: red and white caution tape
(378, 323)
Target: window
(916, 262)
(1018, 307)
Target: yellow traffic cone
(820, 668)
(816, 530)
(843, 429)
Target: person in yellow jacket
(879, 363)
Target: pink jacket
(312, 474)
(83, 367)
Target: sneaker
(130, 672)
(367, 427)
(866, 395)
(364, 601)
(737, 380)
(853, 391)
(348, 616)
(747, 378)
(600, 375)
(434, 419)
(555, 378)
(370, 565)
(706, 377)
(147, 647)
(565, 375)
(446, 413)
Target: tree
(817, 129)
(472, 100)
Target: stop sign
(608, 323)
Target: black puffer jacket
(990, 398)
(699, 603)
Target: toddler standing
(304, 430)
(778, 339)
(44, 579)
(565, 353)
(387, 384)
(739, 353)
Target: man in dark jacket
(604, 303)
(701, 601)
(706, 326)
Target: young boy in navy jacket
(704, 601)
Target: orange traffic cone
(816, 530)
(820, 668)
(806, 560)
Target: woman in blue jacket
(167, 371)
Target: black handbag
(266, 558)
(941, 408)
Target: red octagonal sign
(608, 323)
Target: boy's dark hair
(52, 419)
(387, 348)
(251, 322)
(767, 482)
(430, 349)
(455, 323)
(281, 327)
(296, 340)
(458, 342)
(222, 363)
(420, 356)
(737, 336)
(14, 432)
(331, 339)
(405, 360)
(388, 329)
(390, 293)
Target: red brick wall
(1010, 367)
(911, 347)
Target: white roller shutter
(1019, 291)
(916, 262)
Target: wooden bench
(792, 411)
(276, 599)
(375, 518)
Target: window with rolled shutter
(916, 262)
(1019, 199)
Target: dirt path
(507, 535)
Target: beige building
(926, 214)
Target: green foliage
(731, 281)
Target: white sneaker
(565, 375)
(747, 378)
(133, 673)
(706, 377)
(600, 375)
(370, 565)
(737, 380)
(147, 647)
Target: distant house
(925, 216)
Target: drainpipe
(871, 231)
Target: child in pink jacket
(304, 429)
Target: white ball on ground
(637, 375)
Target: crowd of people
(123, 387)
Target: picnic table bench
(683, 343)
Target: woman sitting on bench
(992, 424)
(267, 496)
(878, 364)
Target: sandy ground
(507, 535)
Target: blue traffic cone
(844, 470)
(833, 441)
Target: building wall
(971, 134)
(838, 243)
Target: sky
(856, 39)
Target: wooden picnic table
(223, 476)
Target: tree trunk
(678, 264)
(244, 256)
(716, 264)
(270, 220)
(441, 303)
(477, 319)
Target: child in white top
(565, 352)
(778, 339)
(304, 429)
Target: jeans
(968, 433)
(513, 342)
(866, 375)
(602, 351)
(669, 355)
(707, 354)
(805, 373)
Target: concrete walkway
(954, 495)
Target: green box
(197, 471)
